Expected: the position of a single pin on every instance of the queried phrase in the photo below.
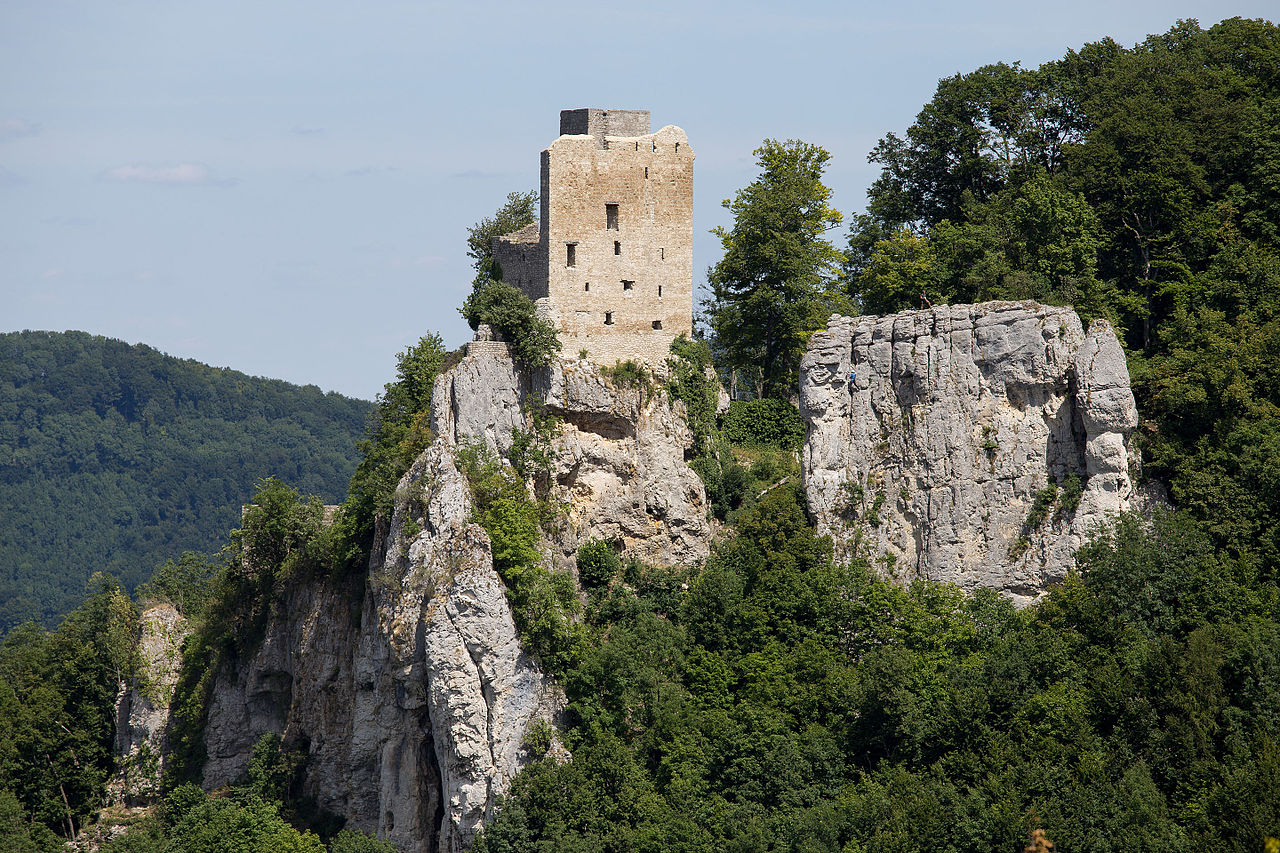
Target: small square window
(617, 247)
(608, 318)
(611, 217)
(627, 285)
(657, 324)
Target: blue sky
(284, 187)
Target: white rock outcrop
(931, 432)
(414, 705)
(142, 705)
(617, 454)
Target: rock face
(413, 706)
(932, 454)
(142, 705)
(617, 454)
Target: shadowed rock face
(932, 454)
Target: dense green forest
(775, 699)
(116, 457)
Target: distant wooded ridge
(116, 457)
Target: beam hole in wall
(627, 285)
(571, 255)
(608, 318)
(611, 217)
(617, 247)
(657, 324)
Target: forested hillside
(117, 457)
(775, 698)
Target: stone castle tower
(610, 263)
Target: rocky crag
(414, 711)
(142, 705)
(932, 433)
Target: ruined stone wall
(522, 260)
(618, 223)
(601, 123)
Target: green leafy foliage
(629, 374)
(116, 458)
(775, 283)
(775, 700)
(519, 210)
(598, 563)
(691, 379)
(543, 603)
(399, 432)
(57, 702)
(512, 315)
(764, 421)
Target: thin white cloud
(14, 128)
(182, 173)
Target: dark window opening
(617, 247)
(571, 255)
(657, 324)
(627, 285)
(662, 254)
(659, 290)
(586, 286)
(611, 217)
(646, 173)
(677, 147)
(608, 318)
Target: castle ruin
(610, 262)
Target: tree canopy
(116, 457)
(776, 281)
(519, 210)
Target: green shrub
(512, 315)
(351, 841)
(764, 421)
(629, 374)
(543, 603)
(1072, 489)
(597, 563)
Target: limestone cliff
(617, 454)
(931, 432)
(142, 704)
(413, 708)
